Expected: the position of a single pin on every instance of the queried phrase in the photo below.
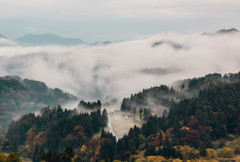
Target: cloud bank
(119, 69)
(6, 42)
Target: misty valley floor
(121, 123)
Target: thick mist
(119, 69)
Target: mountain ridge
(223, 31)
(47, 39)
(2, 36)
(226, 31)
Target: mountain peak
(227, 31)
(223, 31)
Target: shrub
(225, 152)
(188, 152)
(211, 153)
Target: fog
(119, 69)
(6, 42)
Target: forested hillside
(18, 97)
(156, 100)
(54, 130)
(204, 126)
(195, 122)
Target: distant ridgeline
(156, 100)
(90, 105)
(19, 96)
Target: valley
(165, 97)
(159, 117)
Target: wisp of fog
(120, 69)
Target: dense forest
(89, 105)
(194, 122)
(201, 111)
(54, 130)
(193, 86)
(158, 99)
(154, 100)
(200, 121)
(18, 97)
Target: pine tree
(150, 151)
(202, 149)
(65, 157)
(140, 113)
(69, 151)
(35, 154)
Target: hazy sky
(94, 20)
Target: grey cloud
(6, 42)
(159, 71)
(100, 66)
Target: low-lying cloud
(6, 42)
(159, 71)
(119, 69)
